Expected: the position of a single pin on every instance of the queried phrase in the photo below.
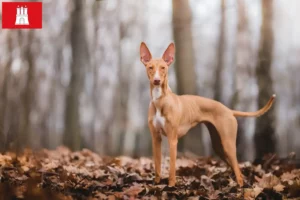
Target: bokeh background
(79, 81)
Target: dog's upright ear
(145, 54)
(169, 54)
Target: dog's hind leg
(227, 129)
(216, 141)
(223, 135)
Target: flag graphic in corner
(22, 15)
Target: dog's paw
(157, 180)
(172, 182)
(240, 181)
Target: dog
(174, 115)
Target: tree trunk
(265, 141)
(184, 65)
(4, 97)
(95, 72)
(220, 55)
(184, 59)
(49, 131)
(241, 64)
(72, 132)
(25, 132)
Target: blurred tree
(80, 60)
(220, 54)
(121, 100)
(95, 72)
(220, 59)
(241, 64)
(265, 141)
(28, 94)
(130, 126)
(4, 95)
(184, 63)
(47, 124)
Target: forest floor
(62, 174)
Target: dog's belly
(183, 129)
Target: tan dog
(173, 115)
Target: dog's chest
(158, 120)
(156, 93)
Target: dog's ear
(145, 54)
(169, 54)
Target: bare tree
(72, 133)
(220, 54)
(4, 98)
(184, 65)
(121, 101)
(242, 51)
(265, 141)
(95, 72)
(25, 132)
(47, 129)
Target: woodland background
(79, 81)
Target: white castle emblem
(22, 16)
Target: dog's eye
(151, 68)
(162, 67)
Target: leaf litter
(67, 175)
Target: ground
(62, 174)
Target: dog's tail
(256, 113)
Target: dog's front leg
(172, 139)
(156, 149)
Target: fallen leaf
(134, 190)
(279, 187)
(252, 193)
(285, 177)
(268, 181)
(206, 182)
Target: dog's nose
(156, 81)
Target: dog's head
(157, 69)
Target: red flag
(22, 15)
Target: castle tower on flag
(22, 16)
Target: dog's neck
(160, 91)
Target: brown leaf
(252, 193)
(134, 190)
(256, 191)
(294, 189)
(232, 183)
(152, 197)
(214, 194)
(268, 181)
(206, 182)
(5, 159)
(193, 198)
(111, 197)
(286, 177)
(279, 187)
(100, 195)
